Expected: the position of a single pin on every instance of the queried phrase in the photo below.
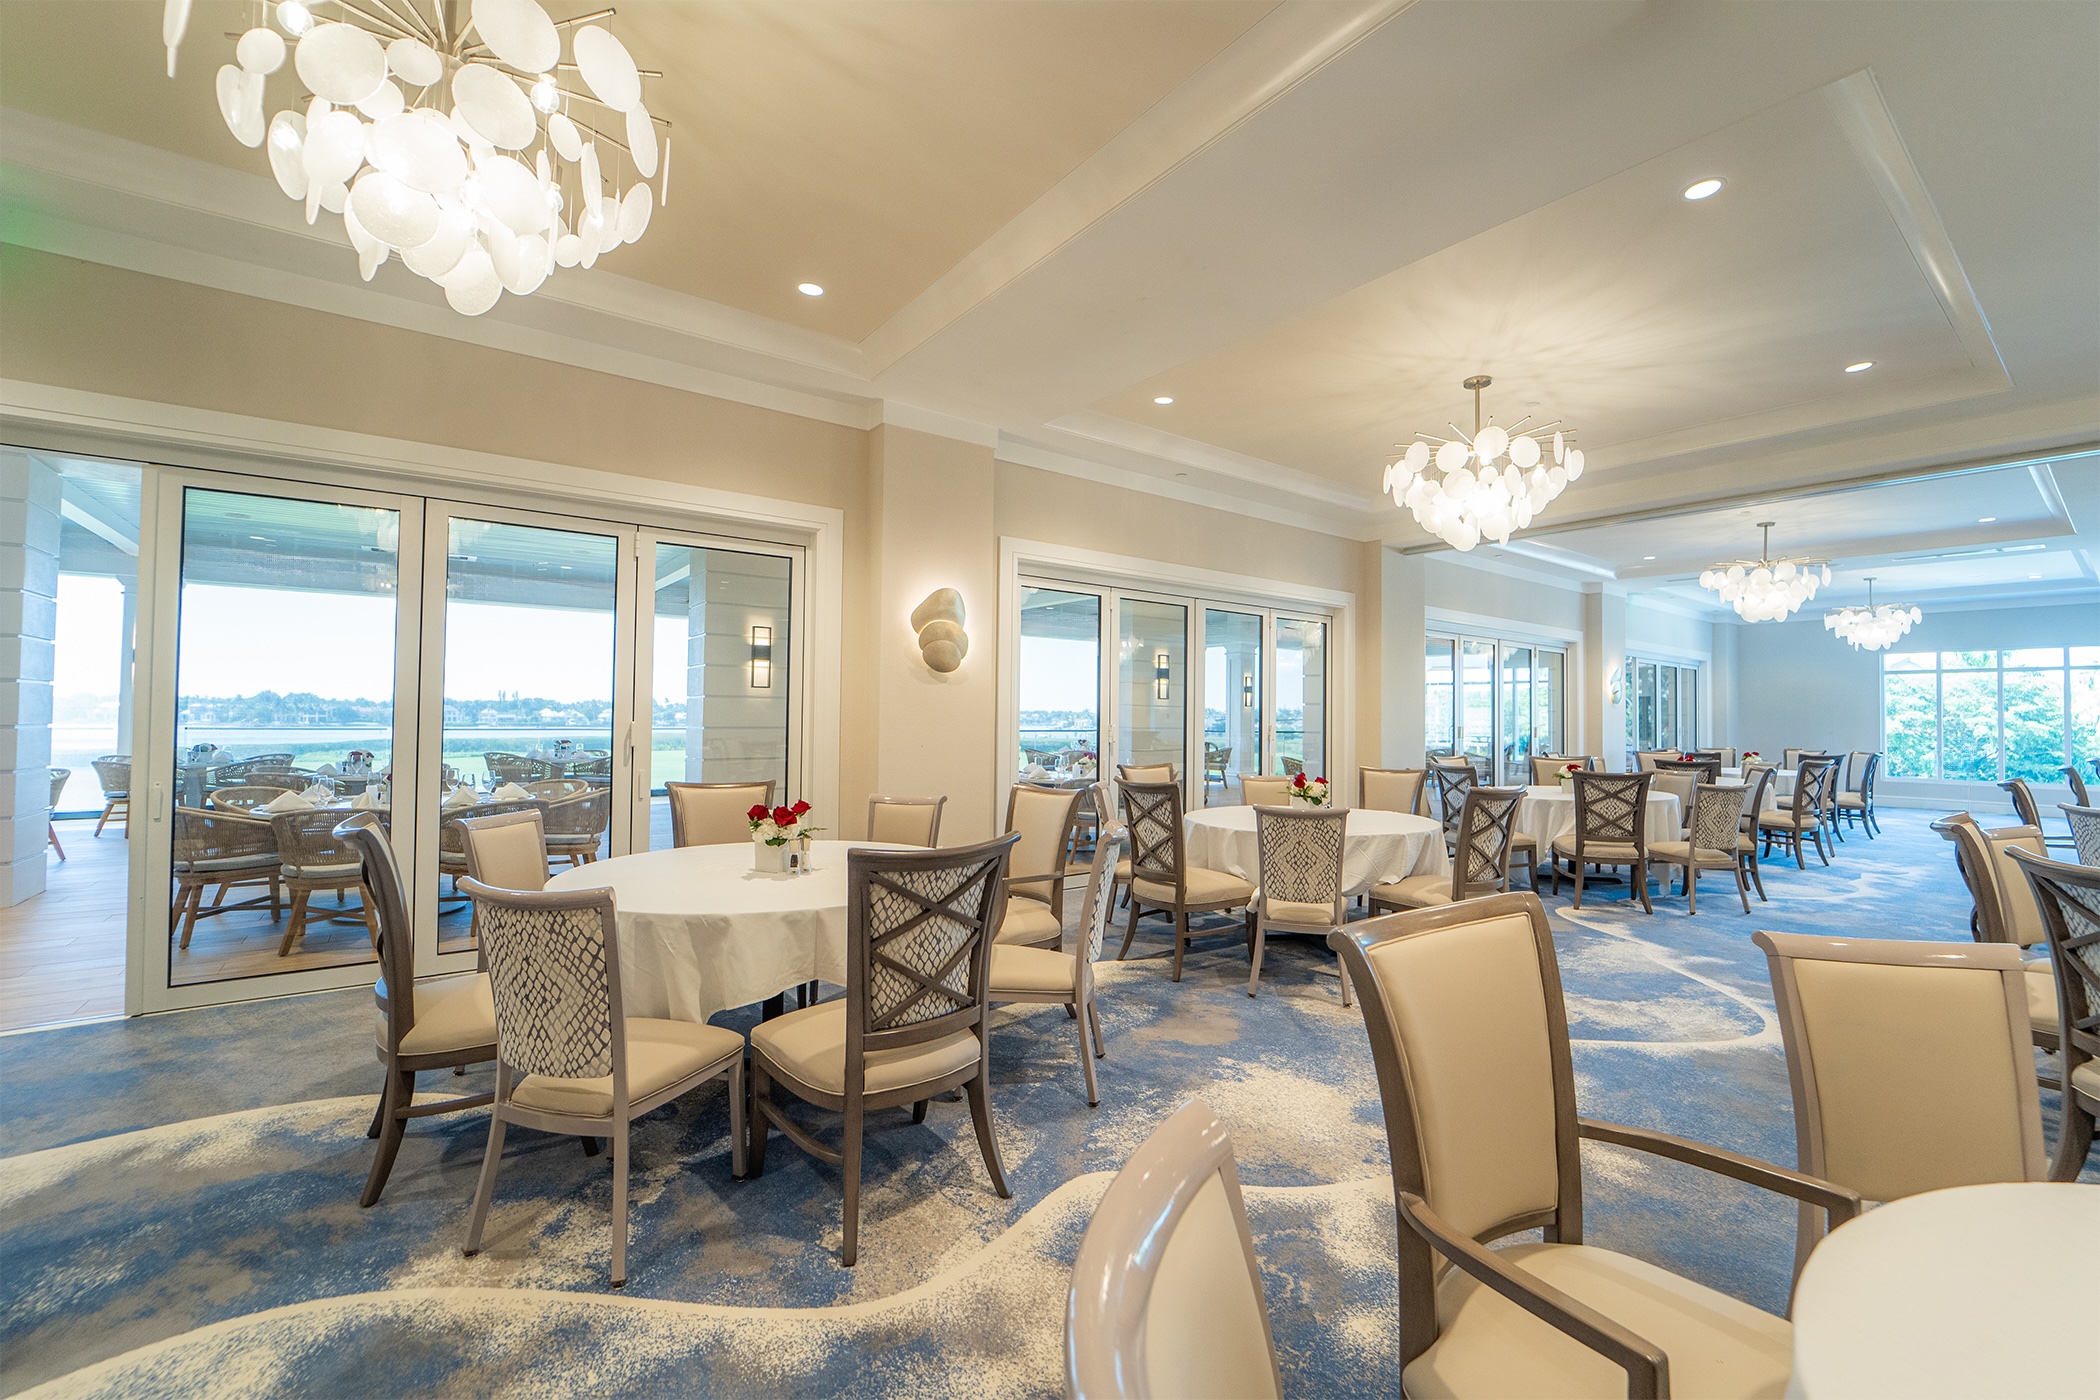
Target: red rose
(799, 808)
(1299, 781)
(1321, 781)
(783, 817)
(757, 814)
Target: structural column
(1403, 680)
(1603, 666)
(29, 531)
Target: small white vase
(768, 860)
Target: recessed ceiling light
(1861, 365)
(1647, 558)
(262, 538)
(1163, 398)
(2034, 576)
(810, 289)
(1704, 189)
(1986, 519)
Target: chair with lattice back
(568, 1058)
(2085, 830)
(1452, 786)
(1486, 841)
(1161, 878)
(1301, 879)
(1611, 828)
(2069, 899)
(1802, 820)
(919, 932)
(1020, 973)
(1714, 841)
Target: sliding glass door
(1498, 702)
(1232, 702)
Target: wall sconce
(1613, 689)
(762, 658)
(1247, 690)
(1161, 674)
(939, 622)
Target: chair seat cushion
(1203, 886)
(1295, 912)
(659, 1054)
(452, 1013)
(2041, 995)
(1029, 921)
(1852, 800)
(1787, 821)
(254, 862)
(345, 873)
(1123, 870)
(1596, 852)
(557, 841)
(1414, 892)
(2086, 1079)
(1680, 853)
(1518, 841)
(810, 1045)
(1718, 1347)
(1031, 970)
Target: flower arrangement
(777, 826)
(1750, 756)
(1313, 792)
(359, 762)
(203, 753)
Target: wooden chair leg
(619, 1220)
(850, 1247)
(486, 1186)
(2074, 1140)
(1640, 883)
(1094, 1019)
(53, 830)
(1261, 939)
(1181, 939)
(918, 1110)
(1086, 1059)
(737, 1164)
(1130, 931)
(298, 924)
(400, 1092)
(1741, 892)
(980, 1093)
(1578, 884)
(1691, 888)
(756, 1125)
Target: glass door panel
(720, 682)
(1546, 681)
(1058, 691)
(528, 685)
(1666, 707)
(1477, 701)
(284, 684)
(1152, 675)
(1516, 715)
(1232, 702)
(1301, 696)
(1439, 734)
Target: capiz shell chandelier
(460, 142)
(1486, 485)
(1765, 589)
(1871, 628)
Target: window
(1662, 705)
(1983, 716)
(1498, 702)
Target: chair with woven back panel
(1706, 766)
(1452, 786)
(2069, 899)
(1043, 819)
(113, 772)
(1714, 841)
(1292, 767)
(1217, 763)
(245, 798)
(58, 787)
(445, 1022)
(1166, 1300)
(1259, 790)
(2079, 796)
(2029, 811)
(556, 789)
(1392, 789)
(569, 1059)
(1161, 878)
(245, 770)
(906, 821)
(2085, 831)
(714, 814)
(1758, 780)
(1855, 801)
(315, 862)
(1910, 1066)
(1802, 819)
(225, 850)
(1611, 828)
(576, 826)
(1486, 840)
(1300, 855)
(1469, 1036)
(507, 767)
(1019, 973)
(919, 932)
(2005, 909)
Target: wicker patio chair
(58, 787)
(242, 771)
(1391, 789)
(1217, 764)
(713, 814)
(1292, 767)
(1714, 842)
(1024, 974)
(906, 821)
(1161, 879)
(2069, 899)
(595, 771)
(247, 797)
(576, 826)
(507, 767)
(1043, 818)
(556, 789)
(1300, 855)
(1803, 818)
(113, 772)
(226, 850)
(919, 931)
(1486, 841)
(315, 862)
(1611, 828)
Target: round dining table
(1377, 847)
(701, 931)
(1548, 811)
(1780, 794)
(1970, 1291)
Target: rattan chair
(1714, 842)
(1611, 828)
(919, 930)
(576, 826)
(1162, 880)
(1258, 790)
(113, 772)
(2079, 796)
(1300, 854)
(1910, 1065)
(444, 1023)
(557, 789)
(2069, 899)
(1024, 974)
(1166, 1301)
(1043, 818)
(1391, 789)
(1802, 820)
(58, 787)
(568, 1057)
(245, 798)
(507, 767)
(315, 862)
(714, 814)
(225, 850)
(906, 821)
(1855, 802)
(2029, 811)
(1486, 841)
(1452, 786)
(1469, 1035)
(245, 770)
(2085, 831)
(1292, 767)
(1217, 764)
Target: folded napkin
(286, 802)
(363, 802)
(510, 792)
(319, 794)
(461, 796)
(326, 770)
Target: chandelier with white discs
(1485, 486)
(1872, 628)
(463, 146)
(1765, 589)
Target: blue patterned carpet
(178, 1199)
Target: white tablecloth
(700, 931)
(1378, 847)
(1546, 812)
(1976, 1290)
(1780, 794)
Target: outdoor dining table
(701, 931)
(1378, 847)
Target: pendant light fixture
(1487, 485)
(1765, 589)
(1871, 628)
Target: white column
(1403, 627)
(29, 530)
(126, 655)
(1603, 661)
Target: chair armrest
(1647, 1367)
(1045, 878)
(1842, 1204)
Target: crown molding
(1021, 451)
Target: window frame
(2065, 669)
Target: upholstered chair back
(1391, 789)
(1152, 812)
(1758, 777)
(506, 849)
(1146, 773)
(2005, 907)
(906, 821)
(1856, 765)
(1301, 863)
(1680, 784)
(1259, 791)
(1042, 818)
(1480, 862)
(1166, 1296)
(554, 966)
(919, 930)
(1646, 759)
(387, 902)
(714, 814)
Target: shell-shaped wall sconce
(939, 622)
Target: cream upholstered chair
(568, 1057)
(1161, 879)
(1759, 778)
(1645, 759)
(504, 849)
(1802, 819)
(113, 772)
(1480, 866)
(2005, 908)
(1910, 1065)
(1300, 854)
(1469, 1035)
(1681, 784)
(446, 1023)
(1546, 769)
(1146, 773)
(2069, 898)
(1714, 842)
(1259, 791)
(714, 814)
(919, 930)
(906, 821)
(1611, 828)
(1855, 801)
(1026, 974)
(1391, 789)
(1043, 818)
(1166, 1300)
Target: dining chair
(1713, 842)
(1161, 878)
(58, 787)
(906, 821)
(226, 850)
(1611, 828)
(445, 1022)
(452, 848)
(2005, 910)
(2069, 898)
(113, 773)
(556, 789)
(1259, 790)
(919, 931)
(1042, 818)
(1728, 757)
(507, 767)
(1707, 767)
(1910, 1065)
(1546, 769)
(1146, 773)
(245, 798)
(1166, 1301)
(1217, 761)
(1300, 869)
(2085, 831)
(2079, 795)
(1019, 973)
(505, 850)
(242, 770)
(1292, 767)
(1803, 818)
(1791, 758)
(1469, 1037)
(1758, 779)
(1856, 802)
(568, 1058)
(1682, 784)
(1452, 786)
(1833, 784)
(1486, 832)
(576, 826)
(714, 814)
(314, 862)
(2029, 811)
(1646, 759)
(1391, 789)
